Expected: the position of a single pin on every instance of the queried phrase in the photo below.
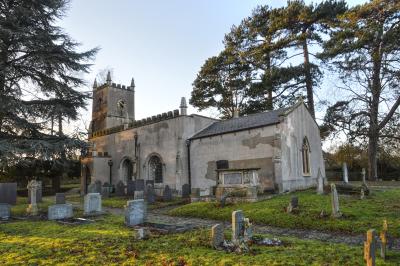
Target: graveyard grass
(108, 241)
(358, 215)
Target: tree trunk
(308, 78)
(56, 184)
(270, 104)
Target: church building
(273, 151)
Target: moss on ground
(109, 242)
(359, 215)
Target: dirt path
(159, 215)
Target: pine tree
(365, 50)
(39, 64)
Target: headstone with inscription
(5, 211)
(237, 225)
(217, 236)
(8, 193)
(167, 194)
(60, 211)
(92, 203)
(135, 212)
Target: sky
(162, 44)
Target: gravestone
(60, 198)
(320, 183)
(92, 188)
(98, 186)
(106, 190)
(335, 202)
(141, 233)
(369, 248)
(363, 175)
(293, 204)
(345, 173)
(150, 195)
(92, 203)
(237, 225)
(248, 230)
(139, 185)
(185, 191)
(195, 195)
(149, 182)
(60, 211)
(139, 195)
(167, 194)
(8, 193)
(120, 189)
(135, 212)
(5, 211)
(217, 236)
(130, 188)
(39, 193)
(384, 240)
(33, 187)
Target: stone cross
(335, 202)
(237, 225)
(345, 173)
(217, 235)
(320, 183)
(363, 173)
(369, 248)
(383, 237)
(33, 187)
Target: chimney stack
(183, 106)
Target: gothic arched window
(155, 169)
(306, 157)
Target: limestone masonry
(273, 151)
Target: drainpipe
(189, 172)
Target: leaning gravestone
(335, 202)
(139, 185)
(8, 193)
(167, 194)
(60, 198)
(33, 188)
(217, 236)
(5, 211)
(130, 188)
(237, 225)
(139, 195)
(92, 203)
(185, 191)
(39, 193)
(120, 189)
(135, 212)
(150, 195)
(60, 211)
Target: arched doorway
(127, 170)
(155, 169)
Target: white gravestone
(60, 211)
(320, 181)
(335, 202)
(345, 173)
(5, 211)
(363, 173)
(33, 187)
(135, 212)
(92, 203)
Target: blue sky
(161, 43)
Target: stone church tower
(113, 105)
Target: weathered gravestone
(98, 186)
(92, 204)
(149, 182)
(370, 247)
(8, 193)
(293, 204)
(185, 191)
(120, 189)
(60, 211)
(139, 195)
(237, 226)
(5, 211)
(106, 190)
(130, 188)
(363, 176)
(384, 240)
(139, 185)
(60, 198)
(320, 183)
(345, 173)
(167, 194)
(92, 188)
(217, 236)
(33, 187)
(135, 212)
(335, 202)
(195, 195)
(39, 193)
(150, 195)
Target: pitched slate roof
(242, 123)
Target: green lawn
(109, 242)
(359, 215)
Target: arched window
(155, 169)
(306, 157)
